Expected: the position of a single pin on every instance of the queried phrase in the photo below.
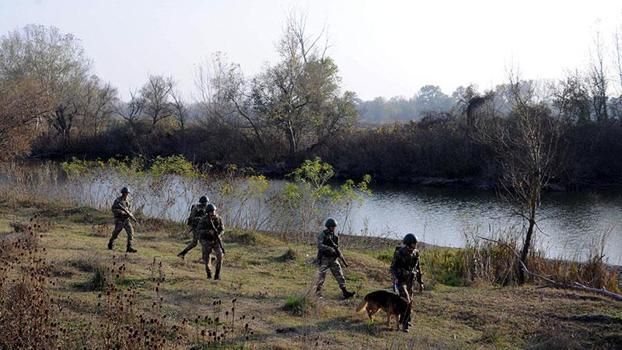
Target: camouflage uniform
(405, 269)
(327, 259)
(122, 221)
(196, 213)
(207, 228)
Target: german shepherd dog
(389, 302)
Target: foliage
(78, 167)
(23, 104)
(310, 195)
(443, 266)
(177, 165)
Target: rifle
(218, 240)
(129, 214)
(418, 278)
(339, 254)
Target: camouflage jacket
(404, 265)
(324, 248)
(207, 227)
(117, 206)
(196, 213)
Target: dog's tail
(361, 306)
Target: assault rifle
(218, 240)
(339, 254)
(128, 213)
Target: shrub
(289, 255)
(177, 165)
(298, 305)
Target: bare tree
(22, 103)
(132, 110)
(97, 104)
(224, 97)
(156, 97)
(180, 109)
(572, 98)
(527, 145)
(300, 95)
(598, 81)
(618, 53)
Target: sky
(382, 48)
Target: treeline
(53, 106)
(429, 99)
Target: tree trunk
(527, 244)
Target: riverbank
(263, 273)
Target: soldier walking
(122, 215)
(197, 211)
(405, 270)
(327, 245)
(209, 231)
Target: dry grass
(154, 300)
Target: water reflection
(570, 223)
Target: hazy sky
(382, 48)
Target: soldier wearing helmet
(122, 214)
(404, 270)
(197, 211)
(209, 231)
(327, 258)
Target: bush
(298, 305)
(177, 165)
(443, 265)
(246, 238)
(289, 255)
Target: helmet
(210, 208)
(330, 222)
(203, 199)
(125, 190)
(410, 239)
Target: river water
(570, 224)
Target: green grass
(298, 305)
(269, 279)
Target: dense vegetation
(54, 107)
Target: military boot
(109, 245)
(346, 294)
(217, 274)
(131, 250)
(406, 320)
(182, 255)
(209, 274)
(318, 293)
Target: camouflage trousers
(329, 263)
(405, 289)
(192, 244)
(210, 246)
(120, 224)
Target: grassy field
(262, 273)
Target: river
(570, 224)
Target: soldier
(122, 215)
(404, 270)
(196, 213)
(210, 229)
(327, 244)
